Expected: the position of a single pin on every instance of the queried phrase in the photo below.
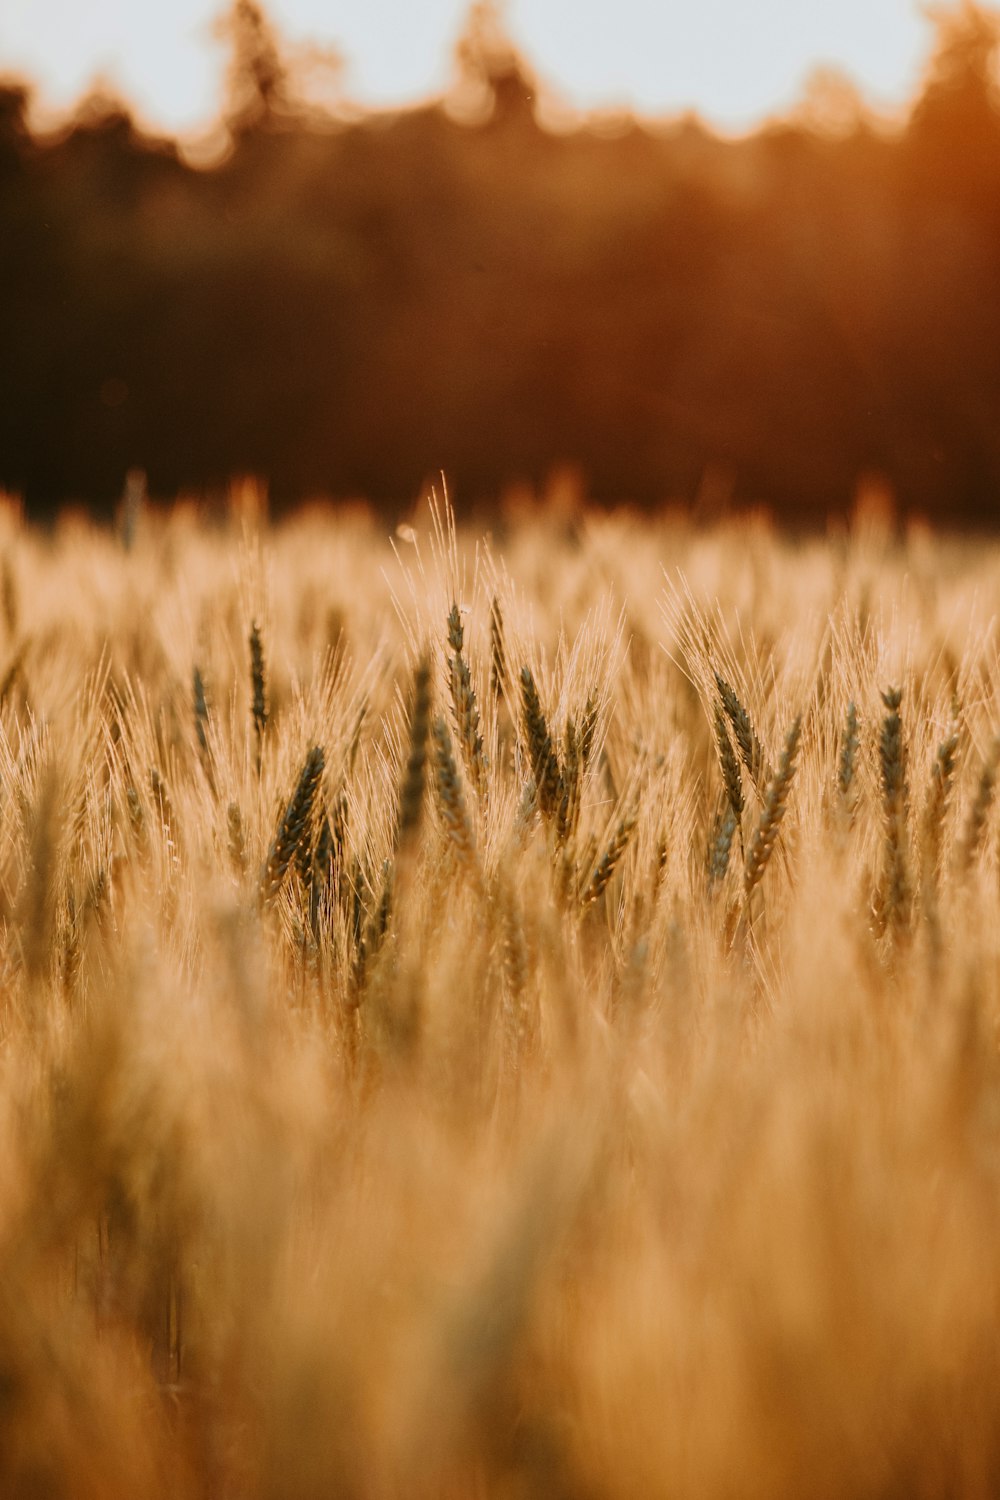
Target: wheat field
(506, 1016)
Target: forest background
(343, 304)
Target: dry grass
(405, 1089)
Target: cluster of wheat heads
(511, 1020)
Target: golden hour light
(499, 750)
(734, 63)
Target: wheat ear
(294, 825)
(609, 861)
(258, 688)
(979, 811)
(750, 748)
(451, 797)
(942, 779)
(895, 900)
(373, 936)
(568, 812)
(544, 761)
(200, 705)
(772, 812)
(321, 869)
(847, 764)
(498, 652)
(411, 794)
(728, 764)
(464, 705)
(165, 807)
(588, 729)
(720, 843)
(236, 839)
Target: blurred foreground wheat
(501, 1020)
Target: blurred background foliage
(344, 303)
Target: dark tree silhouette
(346, 305)
(258, 83)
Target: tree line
(343, 305)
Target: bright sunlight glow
(732, 62)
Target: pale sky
(735, 61)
